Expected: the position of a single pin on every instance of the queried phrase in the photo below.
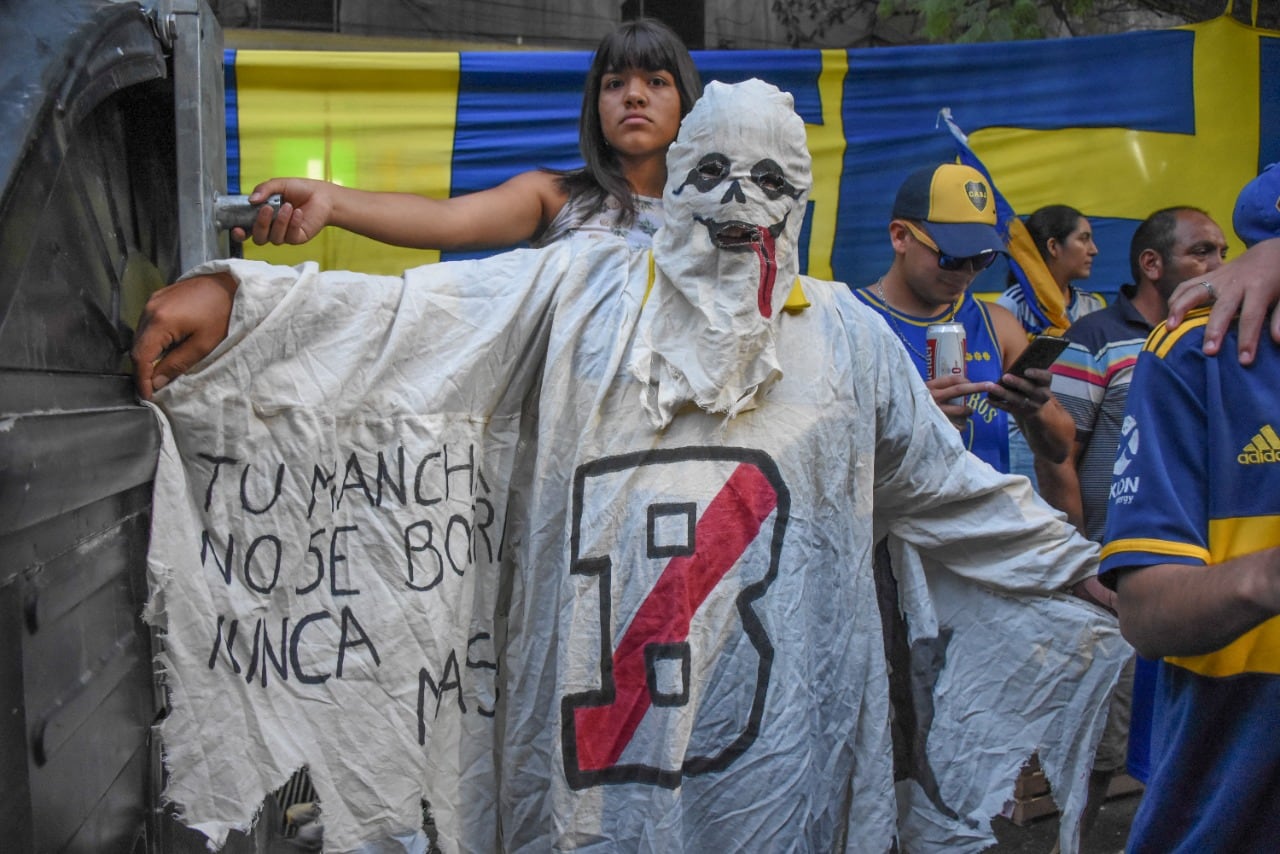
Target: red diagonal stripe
(731, 521)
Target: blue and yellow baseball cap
(1257, 213)
(956, 206)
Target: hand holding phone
(1041, 353)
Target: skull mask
(726, 256)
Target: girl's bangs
(639, 50)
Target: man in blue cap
(943, 234)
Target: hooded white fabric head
(738, 178)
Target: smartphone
(1042, 352)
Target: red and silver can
(944, 351)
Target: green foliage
(818, 15)
(807, 21)
(964, 21)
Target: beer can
(944, 351)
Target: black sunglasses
(950, 263)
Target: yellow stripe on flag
(826, 146)
(372, 120)
(1048, 294)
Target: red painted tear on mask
(763, 246)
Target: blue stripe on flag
(233, 120)
(1269, 102)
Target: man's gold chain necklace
(879, 286)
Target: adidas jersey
(987, 433)
(1197, 481)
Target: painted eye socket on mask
(767, 175)
(710, 171)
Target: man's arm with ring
(1249, 284)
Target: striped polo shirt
(1091, 380)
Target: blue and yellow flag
(1043, 296)
(1116, 126)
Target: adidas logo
(1265, 448)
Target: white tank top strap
(605, 223)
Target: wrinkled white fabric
(787, 710)
(1020, 710)
(425, 536)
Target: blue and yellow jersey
(1197, 481)
(1197, 472)
(987, 433)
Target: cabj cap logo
(953, 202)
(977, 194)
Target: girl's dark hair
(643, 43)
(1056, 221)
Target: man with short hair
(943, 234)
(1091, 380)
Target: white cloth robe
(523, 358)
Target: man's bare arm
(1060, 485)
(180, 325)
(1182, 609)
(1049, 430)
